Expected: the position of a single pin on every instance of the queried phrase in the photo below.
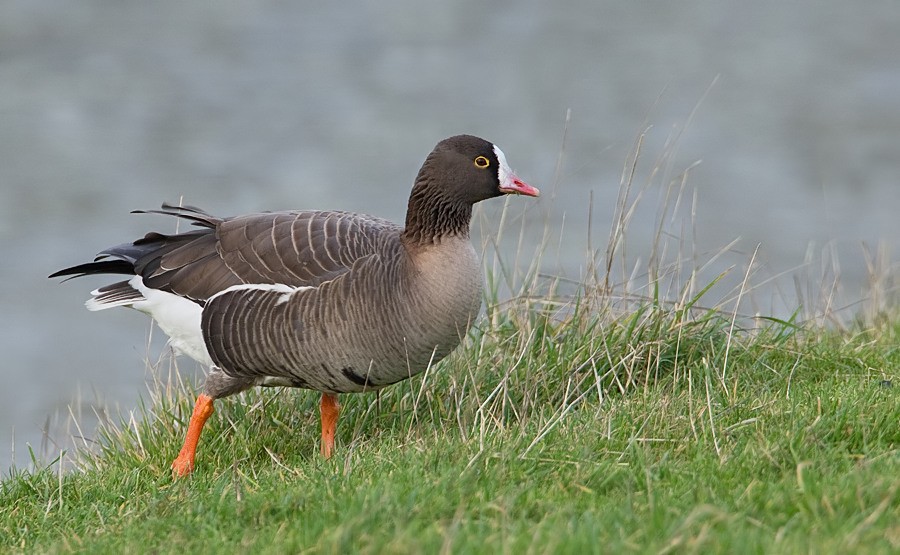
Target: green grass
(617, 417)
(587, 433)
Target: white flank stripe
(277, 287)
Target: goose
(331, 301)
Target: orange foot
(182, 466)
(184, 462)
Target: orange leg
(329, 410)
(184, 463)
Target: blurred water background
(240, 106)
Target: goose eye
(482, 162)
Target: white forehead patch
(503, 171)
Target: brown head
(459, 172)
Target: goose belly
(367, 358)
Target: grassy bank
(611, 417)
(650, 431)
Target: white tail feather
(93, 304)
(113, 296)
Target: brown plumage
(332, 301)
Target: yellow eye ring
(482, 162)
